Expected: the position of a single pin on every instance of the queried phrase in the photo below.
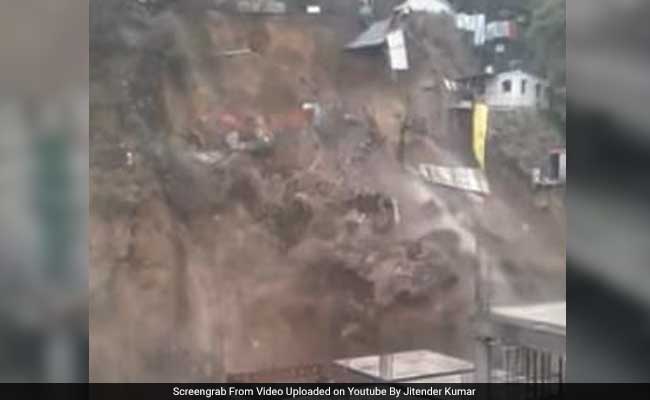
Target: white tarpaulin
(472, 23)
(469, 179)
(397, 51)
(466, 22)
(499, 30)
(430, 6)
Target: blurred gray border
(44, 183)
(608, 64)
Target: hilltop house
(510, 89)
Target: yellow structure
(479, 131)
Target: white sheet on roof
(397, 51)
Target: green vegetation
(547, 38)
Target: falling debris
(382, 209)
(232, 139)
(232, 53)
(129, 158)
(469, 179)
(209, 158)
(451, 85)
(314, 111)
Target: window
(538, 91)
(506, 86)
(524, 83)
(555, 165)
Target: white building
(517, 88)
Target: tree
(547, 38)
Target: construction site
(322, 191)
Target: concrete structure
(418, 366)
(521, 344)
(517, 88)
(552, 172)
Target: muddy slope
(233, 229)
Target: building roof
(374, 36)
(408, 366)
(485, 75)
(521, 71)
(552, 314)
(468, 78)
(431, 6)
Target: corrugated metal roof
(374, 36)
(397, 51)
(469, 179)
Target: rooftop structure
(418, 366)
(374, 36)
(430, 6)
(510, 89)
(522, 343)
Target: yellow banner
(479, 134)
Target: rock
(232, 139)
